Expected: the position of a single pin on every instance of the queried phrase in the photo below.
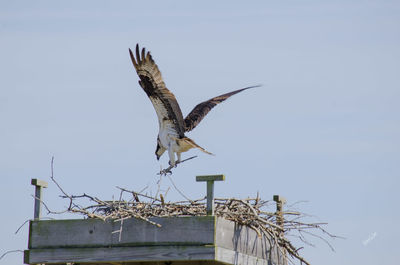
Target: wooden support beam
(192, 240)
(210, 190)
(211, 178)
(280, 201)
(119, 254)
(39, 184)
(97, 233)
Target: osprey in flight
(171, 135)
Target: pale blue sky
(323, 128)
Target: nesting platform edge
(192, 240)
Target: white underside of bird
(168, 138)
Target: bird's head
(159, 149)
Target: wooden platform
(180, 240)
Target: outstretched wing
(201, 110)
(167, 108)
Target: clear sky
(324, 127)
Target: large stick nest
(251, 212)
(254, 213)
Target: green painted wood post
(39, 184)
(210, 190)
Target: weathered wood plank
(243, 239)
(120, 254)
(40, 183)
(180, 238)
(228, 256)
(211, 178)
(135, 232)
(191, 262)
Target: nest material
(276, 226)
(251, 212)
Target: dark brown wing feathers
(201, 110)
(152, 83)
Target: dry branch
(166, 171)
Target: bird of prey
(172, 125)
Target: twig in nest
(52, 177)
(10, 251)
(180, 192)
(19, 228)
(166, 171)
(47, 208)
(137, 193)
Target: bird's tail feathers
(192, 144)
